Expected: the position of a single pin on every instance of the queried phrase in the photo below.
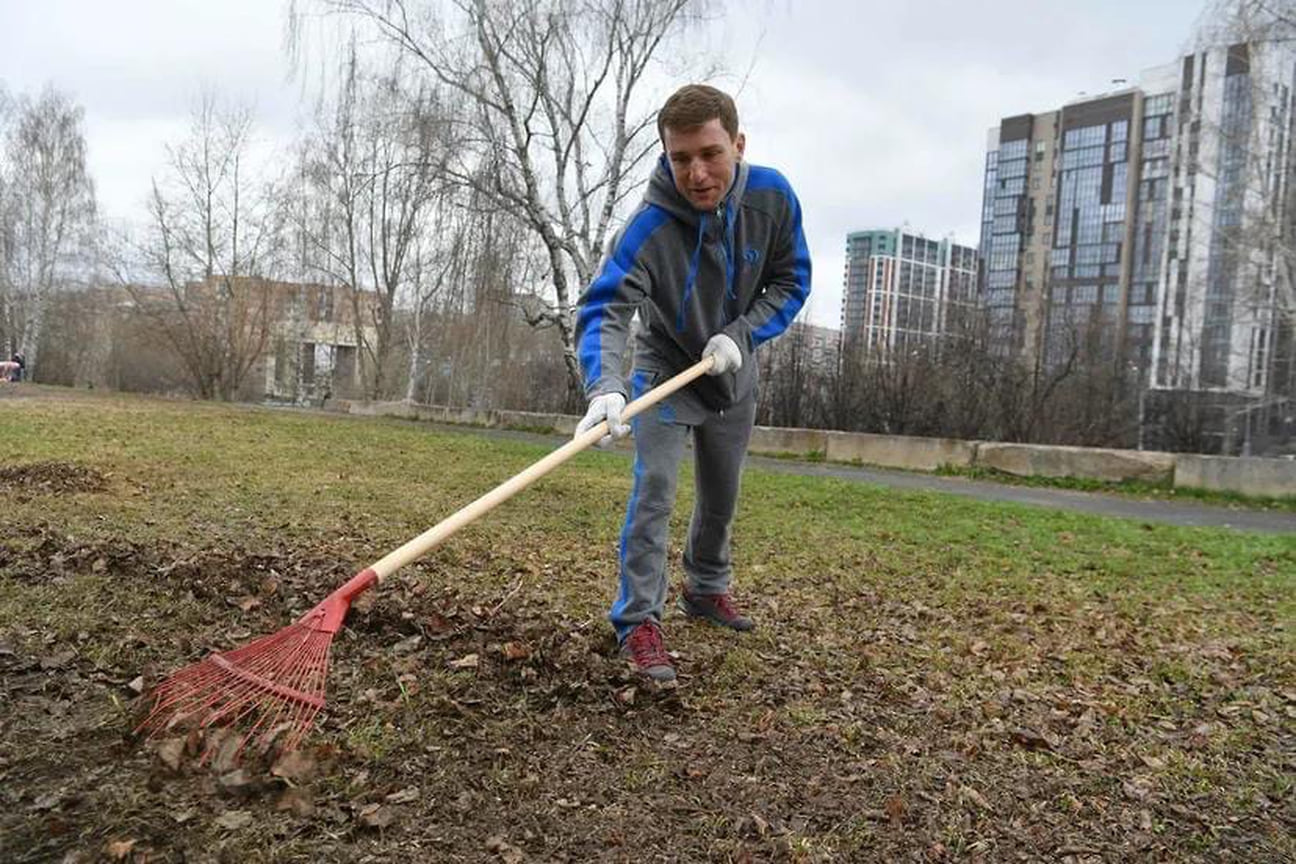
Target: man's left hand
(727, 356)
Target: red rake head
(272, 686)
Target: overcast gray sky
(877, 112)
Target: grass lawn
(933, 678)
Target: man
(715, 264)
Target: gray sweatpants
(719, 448)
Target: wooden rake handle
(437, 534)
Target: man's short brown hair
(695, 104)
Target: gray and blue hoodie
(742, 270)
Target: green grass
(896, 628)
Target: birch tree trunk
(47, 214)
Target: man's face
(702, 160)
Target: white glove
(606, 407)
(727, 356)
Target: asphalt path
(1151, 511)
(1098, 503)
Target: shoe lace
(647, 648)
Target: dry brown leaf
(408, 646)
(437, 624)
(507, 852)
(970, 794)
(171, 753)
(1138, 788)
(1030, 738)
(232, 820)
(516, 651)
(376, 816)
(227, 750)
(295, 766)
(296, 800)
(895, 808)
(118, 850)
(404, 796)
(236, 782)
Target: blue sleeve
(788, 284)
(610, 301)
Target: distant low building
(315, 347)
(293, 342)
(300, 340)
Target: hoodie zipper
(725, 224)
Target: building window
(1084, 294)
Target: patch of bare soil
(435, 705)
(493, 728)
(50, 478)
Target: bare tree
(47, 213)
(953, 385)
(7, 218)
(214, 240)
(551, 91)
(788, 381)
(374, 167)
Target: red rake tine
(284, 674)
(280, 675)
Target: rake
(274, 686)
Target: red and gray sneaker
(716, 608)
(644, 648)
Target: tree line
(451, 194)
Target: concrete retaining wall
(1036, 460)
(1257, 477)
(774, 441)
(1271, 477)
(900, 451)
(563, 424)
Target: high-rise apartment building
(1153, 225)
(902, 288)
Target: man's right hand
(606, 407)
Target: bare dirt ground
(501, 689)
